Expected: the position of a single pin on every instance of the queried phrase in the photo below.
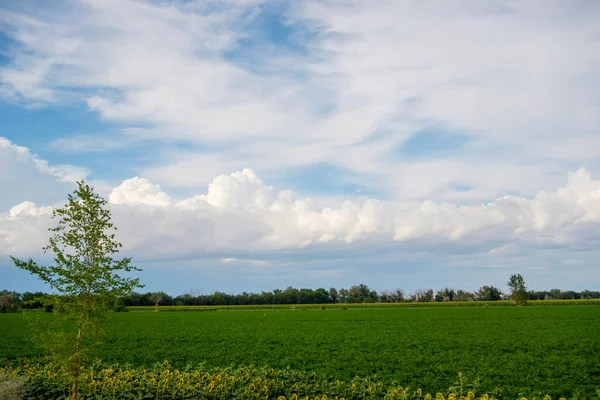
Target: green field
(552, 349)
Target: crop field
(555, 350)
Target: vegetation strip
(43, 380)
(521, 349)
(537, 303)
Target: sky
(248, 145)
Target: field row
(161, 381)
(450, 304)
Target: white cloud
(29, 209)
(24, 176)
(240, 214)
(139, 191)
(239, 190)
(520, 78)
(229, 260)
(23, 229)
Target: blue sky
(260, 144)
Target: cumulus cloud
(23, 229)
(240, 213)
(239, 190)
(139, 191)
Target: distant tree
(355, 294)
(32, 300)
(440, 296)
(306, 296)
(462, 295)
(427, 295)
(398, 295)
(343, 295)
(414, 296)
(322, 296)
(518, 290)
(422, 295)
(334, 296)
(488, 293)
(156, 298)
(445, 294)
(6, 300)
(361, 293)
(278, 296)
(85, 275)
(291, 295)
(385, 296)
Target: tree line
(11, 301)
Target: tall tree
(84, 274)
(518, 290)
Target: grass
(555, 350)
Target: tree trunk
(74, 391)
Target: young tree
(156, 298)
(518, 290)
(84, 274)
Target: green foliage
(446, 294)
(520, 349)
(84, 274)
(488, 293)
(162, 381)
(518, 290)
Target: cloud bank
(241, 213)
